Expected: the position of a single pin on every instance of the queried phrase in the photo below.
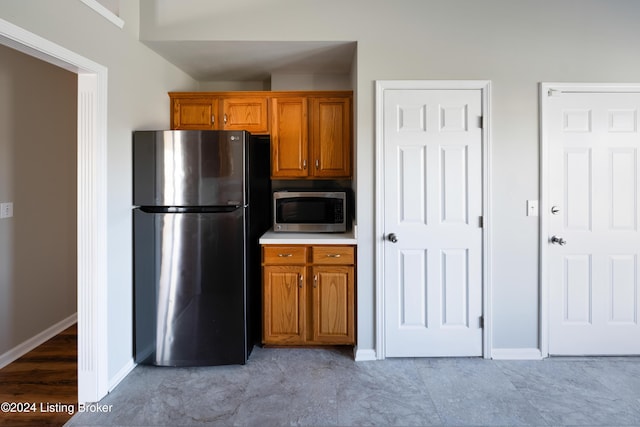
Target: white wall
(515, 44)
(138, 84)
(38, 109)
(310, 82)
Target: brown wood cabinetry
(311, 137)
(311, 132)
(289, 138)
(330, 137)
(194, 113)
(220, 111)
(308, 295)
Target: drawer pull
(285, 255)
(333, 255)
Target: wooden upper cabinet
(245, 114)
(231, 111)
(330, 138)
(289, 138)
(311, 137)
(311, 132)
(193, 113)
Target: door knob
(555, 210)
(392, 238)
(558, 240)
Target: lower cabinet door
(333, 302)
(284, 304)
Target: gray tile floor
(320, 387)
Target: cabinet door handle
(285, 255)
(333, 255)
(315, 280)
(304, 164)
(225, 118)
(317, 164)
(301, 281)
(213, 119)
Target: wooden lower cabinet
(284, 304)
(332, 304)
(313, 302)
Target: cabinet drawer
(284, 254)
(332, 254)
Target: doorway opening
(91, 203)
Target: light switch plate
(6, 210)
(532, 208)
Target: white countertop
(291, 238)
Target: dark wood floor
(46, 379)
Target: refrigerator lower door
(190, 288)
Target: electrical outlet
(532, 208)
(6, 210)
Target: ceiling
(255, 60)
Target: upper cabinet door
(250, 114)
(289, 140)
(194, 113)
(330, 137)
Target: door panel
(413, 287)
(433, 199)
(455, 288)
(412, 202)
(454, 190)
(623, 289)
(594, 188)
(624, 207)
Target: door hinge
(480, 221)
(481, 122)
(481, 322)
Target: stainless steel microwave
(310, 211)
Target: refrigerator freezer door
(189, 168)
(190, 288)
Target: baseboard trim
(516, 354)
(364, 355)
(121, 375)
(39, 339)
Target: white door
(432, 222)
(593, 242)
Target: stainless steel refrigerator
(201, 201)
